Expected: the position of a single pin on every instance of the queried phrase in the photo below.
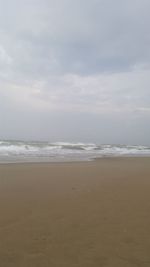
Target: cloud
(82, 57)
(106, 93)
(80, 37)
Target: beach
(77, 214)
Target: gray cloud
(90, 58)
(81, 37)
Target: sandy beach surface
(87, 214)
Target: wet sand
(94, 214)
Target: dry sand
(94, 214)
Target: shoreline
(77, 161)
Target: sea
(15, 151)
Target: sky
(75, 70)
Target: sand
(93, 214)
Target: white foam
(66, 150)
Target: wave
(22, 150)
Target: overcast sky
(75, 70)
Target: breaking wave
(22, 151)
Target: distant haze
(75, 70)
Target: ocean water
(23, 151)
